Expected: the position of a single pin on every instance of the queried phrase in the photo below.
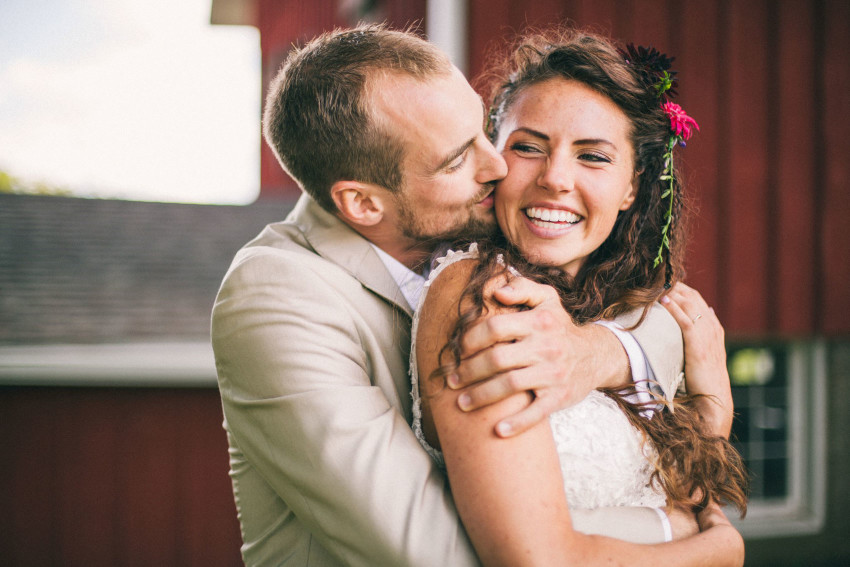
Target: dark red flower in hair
(653, 68)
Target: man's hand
(539, 349)
(705, 356)
(713, 518)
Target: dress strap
(440, 264)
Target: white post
(447, 29)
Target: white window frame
(803, 510)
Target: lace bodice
(604, 461)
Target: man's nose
(493, 167)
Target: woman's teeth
(551, 215)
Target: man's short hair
(318, 115)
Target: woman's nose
(556, 175)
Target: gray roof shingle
(92, 271)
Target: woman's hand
(705, 356)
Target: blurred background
(132, 169)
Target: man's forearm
(607, 360)
(660, 339)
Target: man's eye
(457, 164)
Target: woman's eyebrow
(532, 131)
(594, 141)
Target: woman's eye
(595, 158)
(525, 148)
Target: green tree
(11, 184)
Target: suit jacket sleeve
(299, 399)
(661, 340)
(628, 523)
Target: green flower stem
(667, 175)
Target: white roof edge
(128, 364)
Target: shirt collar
(409, 282)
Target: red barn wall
(115, 476)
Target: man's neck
(412, 253)
(413, 257)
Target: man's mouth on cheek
(487, 199)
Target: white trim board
(155, 364)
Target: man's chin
(478, 228)
(475, 228)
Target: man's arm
(660, 340)
(299, 401)
(533, 346)
(541, 350)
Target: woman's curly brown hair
(619, 275)
(693, 466)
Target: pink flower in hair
(680, 122)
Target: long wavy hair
(619, 275)
(693, 466)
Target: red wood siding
(95, 476)
(832, 88)
(768, 81)
(795, 170)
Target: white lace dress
(604, 461)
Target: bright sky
(130, 99)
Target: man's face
(449, 166)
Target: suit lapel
(337, 242)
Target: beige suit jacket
(311, 339)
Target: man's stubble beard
(474, 228)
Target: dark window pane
(760, 428)
(775, 478)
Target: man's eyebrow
(454, 154)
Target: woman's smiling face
(570, 172)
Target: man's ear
(359, 203)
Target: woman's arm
(509, 521)
(509, 492)
(705, 356)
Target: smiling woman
(121, 99)
(583, 208)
